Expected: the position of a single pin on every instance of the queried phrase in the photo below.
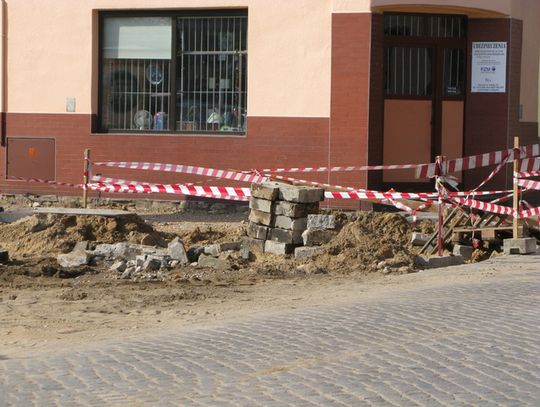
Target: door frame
(438, 46)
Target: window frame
(173, 14)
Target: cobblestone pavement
(457, 344)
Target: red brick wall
(270, 142)
(351, 44)
(492, 119)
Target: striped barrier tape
(527, 174)
(185, 169)
(479, 161)
(527, 184)
(530, 165)
(484, 206)
(342, 169)
(44, 181)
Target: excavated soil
(50, 234)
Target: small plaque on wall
(489, 67)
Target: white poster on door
(489, 67)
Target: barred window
(177, 72)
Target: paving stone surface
(459, 344)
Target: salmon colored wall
(51, 56)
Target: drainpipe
(3, 71)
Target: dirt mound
(362, 245)
(50, 234)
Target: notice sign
(489, 67)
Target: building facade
(244, 84)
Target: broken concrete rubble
(177, 251)
(317, 237)
(74, 259)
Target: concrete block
(419, 239)
(262, 205)
(262, 218)
(321, 222)
(525, 245)
(212, 250)
(285, 222)
(266, 190)
(253, 245)
(212, 262)
(464, 251)
(73, 259)
(257, 231)
(278, 248)
(286, 236)
(295, 210)
(300, 194)
(444, 261)
(177, 251)
(229, 246)
(119, 267)
(317, 237)
(304, 252)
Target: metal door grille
(212, 58)
(408, 72)
(425, 25)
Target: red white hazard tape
(196, 190)
(44, 181)
(342, 169)
(479, 161)
(484, 206)
(185, 169)
(527, 184)
(529, 213)
(530, 165)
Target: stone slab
(278, 248)
(300, 194)
(286, 236)
(262, 205)
(257, 231)
(253, 245)
(317, 237)
(260, 217)
(177, 251)
(526, 245)
(419, 239)
(444, 261)
(266, 190)
(464, 251)
(305, 252)
(295, 210)
(285, 222)
(321, 222)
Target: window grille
(425, 25)
(408, 72)
(179, 72)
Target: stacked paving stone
(278, 216)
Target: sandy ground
(42, 313)
(44, 316)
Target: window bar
(218, 82)
(402, 66)
(207, 93)
(187, 79)
(395, 70)
(181, 67)
(425, 71)
(201, 67)
(418, 72)
(215, 60)
(458, 70)
(410, 71)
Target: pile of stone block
(321, 229)
(279, 216)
